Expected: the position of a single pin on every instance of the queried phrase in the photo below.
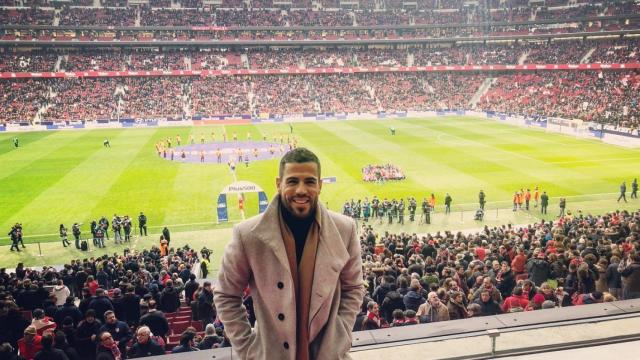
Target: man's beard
(295, 209)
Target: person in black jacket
(210, 339)
(145, 345)
(101, 304)
(12, 324)
(107, 348)
(49, 352)
(169, 298)
(392, 301)
(60, 342)
(487, 305)
(538, 269)
(131, 304)
(68, 309)
(86, 334)
(614, 280)
(190, 288)
(118, 329)
(155, 320)
(206, 311)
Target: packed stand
(92, 16)
(574, 261)
(131, 305)
(621, 52)
(32, 16)
(21, 99)
(562, 52)
(153, 97)
(605, 97)
(82, 99)
(175, 17)
(27, 62)
(220, 95)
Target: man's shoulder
(342, 222)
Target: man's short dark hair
(298, 156)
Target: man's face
(299, 188)
(111, 319)
(484, 296)
(106, 340)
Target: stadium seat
(178, 327)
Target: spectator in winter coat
(49, 352)
(630, 273)
(516, 302)
(101, 304)
(392, 301)
(538, 269)
(68, 309)
(169, 298)
(505, 280)
(519, 262)
(61, 293)
(413, 299)
(190, 288)
(30, 344)
(433, 310)
(456, 307)
(487, 305)
(155, 320)
(145, 345)
(206, 310)
(41, 322)
(86, 334)
(119, 330)
(131, 304)
(614, 280)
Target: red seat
(197, 325)
(178, 327)
(182, 318)
(27, 314)
(174, 339)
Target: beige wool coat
(256, 256)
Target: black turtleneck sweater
(299, 228)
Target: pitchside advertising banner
(240, 188)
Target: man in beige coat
(307, 313)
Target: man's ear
(278, 181)
(319, 185)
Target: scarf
(302, 276)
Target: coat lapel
(331, 257)
(268, 230)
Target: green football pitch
(68, 176)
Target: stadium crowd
(150, 302)
(382, 173)
(575, 260)
(552, 93)
(160, 12)
(558, 52)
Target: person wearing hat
(30, 344)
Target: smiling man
(303, 268)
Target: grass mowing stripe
(572, 176)
(71, 198)
(24, 187)
(34, 148)
(533, 171)
(26, 139)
